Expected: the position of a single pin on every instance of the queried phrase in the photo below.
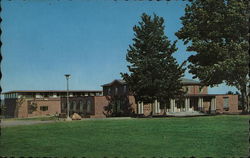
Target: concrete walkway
(10, 123)
(108, 118)
(186, 113)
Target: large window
(118, 106)
(63, 106)
(74, 105)
(88, 106)
(226, 103)
(78, 106)
(81, 105)
(71, 105)
(30, 109)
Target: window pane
(225, 103)
(44, 108)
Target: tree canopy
(217, 30)
(154, 72)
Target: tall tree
(217, 30)
(154, 72)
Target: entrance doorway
(194, 104)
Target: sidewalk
(10, 123)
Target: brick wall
(233, 103)
(100, 102)
(54, 106)
(22, 110)
(195, 89)
(206, 105)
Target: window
(118, 105)
(88, 106)
(30, 109)
(97, 94)
(109, 91)
(74, 105)
(71, 105)
(116, 90)
(44, 108)
(225, 104)
(62, 106)
(78, 106)
(81, 105)
(124, 88)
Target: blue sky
(45, 39)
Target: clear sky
(45, 39)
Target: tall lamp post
(67, 77)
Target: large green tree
(154, 72)
(217, 30)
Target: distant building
(44, 102)
(196, 99)
(92, 103)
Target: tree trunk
(244, 99)
(165, 109)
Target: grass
(217, 136)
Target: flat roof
(204, 95)
(52, 91)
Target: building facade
(37, 103)
(195, 99)
(115, 98)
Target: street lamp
(67, 77)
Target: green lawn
(216, 136)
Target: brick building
(34, 103)
(92, 103)
(195, 99)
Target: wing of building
(115, 98)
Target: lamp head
(67, 75)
